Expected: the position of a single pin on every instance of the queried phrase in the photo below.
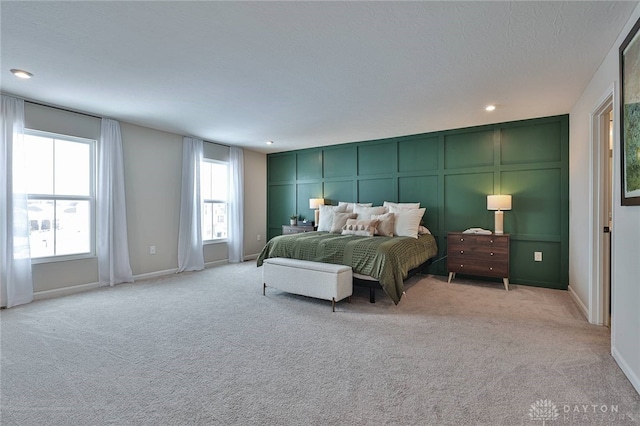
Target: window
(214, 191)
(61, 195)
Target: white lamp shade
(499, 202)
(314, 203)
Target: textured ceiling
(306, 73)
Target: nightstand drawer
(487, 269)
(479, 252)
(492, 241)
(467, 240)
(469, 255)
(287, 229)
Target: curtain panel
(16, 281)
(112, 240)
(236, 205)
(190, 251)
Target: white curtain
(236, 205)
(112, 243)
(16, 280)
(190, 253)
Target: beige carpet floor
(208, 348)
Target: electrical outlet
(259, 237)
(152, 249)
(537, 256)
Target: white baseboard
(154, 274)
(579, 303)
(216, 263)
(635, 381)
(65, 291)
(251, 256)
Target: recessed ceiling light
(269, 142)
(490, 108)
(21, 73)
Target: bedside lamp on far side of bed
(499, 203)
(314, 204)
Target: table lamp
(499, 203)
(314, 204)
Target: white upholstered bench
(314, 279)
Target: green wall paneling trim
(471, 149)
(531, 144)
(377, 158)
(280, 205)
(376, 191)
(281, 168)
(536, 201)
(309, 165)
(450, 173)
(423, 189)
(466, 201)
(335, 191)
(418, 155)
(339, 161)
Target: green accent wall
(450, 173)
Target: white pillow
(365, 228)
(407, 221)
(389, 204)
(385, 225)
(349, 206)
(326, 216)
(340, 220)
(364, 213)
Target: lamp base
(499, 222)
(316, 217)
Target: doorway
(607, 213)
(602, 213)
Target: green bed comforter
(387, 259)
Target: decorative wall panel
(423, 189)
(531, 144)
(281, 168)
(536, 202)
(376, 158)
(339, 162)
(465, 197)
(450, 173)
(309, 165)
(335, 191)
(418, 155)
(376, 191)
(305, 192)
(469, 149)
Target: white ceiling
(306, 73)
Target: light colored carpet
(208, 348)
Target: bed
(376, 261)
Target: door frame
(599, 292)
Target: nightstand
(485, 255)
(296, 229)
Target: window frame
(204, 201)
(92, 143)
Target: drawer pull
(461, 266)
(461, 251)
(491, 241)
(461, 239)
(491, 269)
(491, 253)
